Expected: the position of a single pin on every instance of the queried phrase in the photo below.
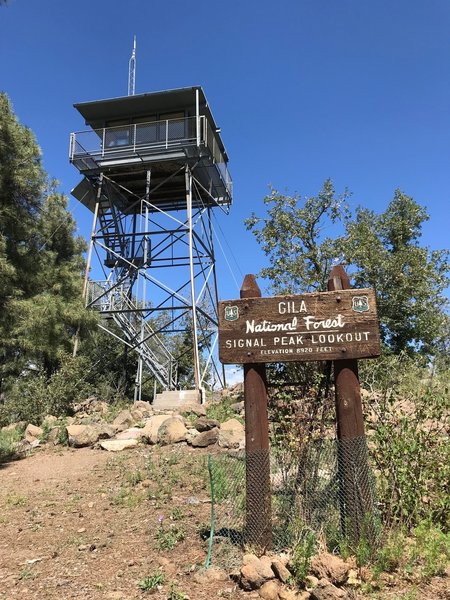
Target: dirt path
(88, 524)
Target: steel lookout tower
(153, 169)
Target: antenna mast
(132, 71)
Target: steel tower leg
(195, 348)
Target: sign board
(320, 326)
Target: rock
(191, 434)
(331, 567)
(261, 566)
(353, 579)
(269, 590)
(172, 431)
(285, 594)
(250, 578)
(91, 406)
(280, 570)
(81, 435)
(137, 415)
(206, 438)
(134, 433)
(151, 428)
(123, 420)
(117, 445)
(32, 433)
(105, 431)
(87, 435)
(53, 435)
(212, 574)
(196, 409)
(205, 424)
(50, 419)
(327, 591)
(12, 426)
(311, 582)
(23, 447)
(231, 434)
(265, 567)
(237, 407)
(145, 407)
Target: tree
(291, 236)
(410, 279)
(47, 321)
(22, 182)
(40, 258)
(381, 251)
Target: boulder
(205, 424)
(250, 578)
(196, 409)
(280, 570)
(117, 445)
(191, 434)
(311, 582)
(205, 438)
(151, 428)
(327, 591)
(331, 567)
(231, 434)
(53, 435)
(145, 407)
(32, 433)
(137, 415)
(269, 590)
(172, 431)
(87, 435)
(123, 420)
(133, 433)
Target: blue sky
(355, 90)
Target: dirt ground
(84, 524)
(91, 524)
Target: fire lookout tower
(154, 166)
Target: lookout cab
(154, 166)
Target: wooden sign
(320, 326)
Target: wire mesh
(327, 489)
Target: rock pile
(272, 577)
(139, 424)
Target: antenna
(132, 71)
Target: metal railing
(109, 143)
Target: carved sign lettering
(321, 326)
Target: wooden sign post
(353, 468)
(339, 325)
(257, 473)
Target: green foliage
(221, 411)
(32, 397)
(8, 442)
(151, 582)
(168, 536)
(289, 235)
(409, 411)
(410, 280)
(175, 594)
(381, 250)
(302, 551)
(425, 553)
